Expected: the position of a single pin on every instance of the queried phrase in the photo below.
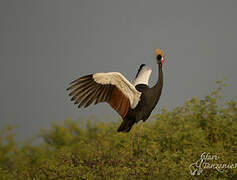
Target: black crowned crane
(134, 102)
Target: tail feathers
(126, 126)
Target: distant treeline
(170, 147)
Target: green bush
(171, 141)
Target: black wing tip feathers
(85, 91)
(73, 86)
(81, 78)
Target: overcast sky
(46, 44)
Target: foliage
(170, 142)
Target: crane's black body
(114, 89)
(148, 101)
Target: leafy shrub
(170, 142)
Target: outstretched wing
(111, 87)
(143, 75)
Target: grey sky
(46, 44)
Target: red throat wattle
(162, 60)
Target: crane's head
(159, 56)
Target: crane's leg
(140, 132)
(132, 135)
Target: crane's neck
(158, 86)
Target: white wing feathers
(143, 75)
(117, 79)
